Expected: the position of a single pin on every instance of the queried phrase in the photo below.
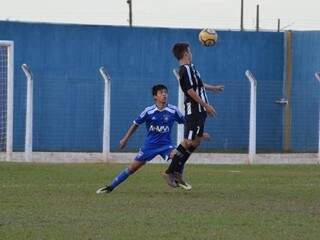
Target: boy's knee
(192, 143)
(134, 167)
(187, 143)
(196, 142)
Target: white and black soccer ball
(208, 37)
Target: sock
(123, 175)
(184, 159)
(176, 159)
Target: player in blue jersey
(159, 119)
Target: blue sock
(123, 175)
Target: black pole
(130, 12)
(278, 24)
(241, 16)
(257, 24)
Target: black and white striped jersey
(190, 78)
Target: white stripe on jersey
(176, 109)
(189, 108)
(197, 72)
(194, 73)
(189, 74)
(205, 94)
(146, 110)
(152, 111)
(198, 129)
(190, 135)
(202, 96)
(199, 106)
(170, 110)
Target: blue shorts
(146, 154)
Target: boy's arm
(213, 88)
(129, 133)
(186, 86)
(210, 110)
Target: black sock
(184, 159)
(175, 162)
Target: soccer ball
(208, 37)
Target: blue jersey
(159, 124)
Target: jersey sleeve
(179, 116)
(185, 78)
(141, 118)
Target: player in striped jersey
(196, 109)
(159, 119)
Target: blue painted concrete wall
(69, 91)
(305, 91)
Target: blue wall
(69, 92)
(236, 52)
(305, 91)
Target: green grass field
(58, 201)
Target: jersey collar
(161, 110)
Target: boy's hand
(219, 88)
(206, 136)
(123, 143)
(210, 110)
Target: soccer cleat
(170, 179)
(181, 183)
(106, 189)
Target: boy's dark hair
(157, 88)
(179, 49)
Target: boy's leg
(186, 156)
(198, 124)
(177, 175)
(166, 153)
(171, 172)
(180, 151)
(205, 137)
(142, 157)
(193, 129)
(122, 176)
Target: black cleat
(106, 189)
(170, 179)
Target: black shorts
(194, 126)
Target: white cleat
(185, 186)
(106, 189)
(181, 183)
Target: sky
(218, 14)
